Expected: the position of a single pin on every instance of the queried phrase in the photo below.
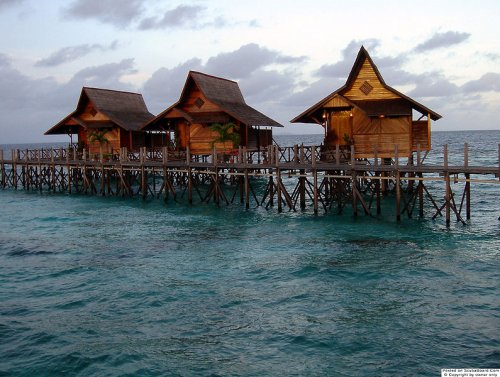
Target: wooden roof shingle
(127, 110)
(226, 94)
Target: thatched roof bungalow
(371, 115)
(207, 100)
(106, 118)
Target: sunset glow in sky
(285, 55)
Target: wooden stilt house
(106, 120)
(371, 115)
(206, 101)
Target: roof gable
(364, 83)
(224, 94)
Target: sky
(286, 55)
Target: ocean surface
(93, 286)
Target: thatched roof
(395, 106)
(124, 109)
(226, 94)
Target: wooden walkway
(291, 178)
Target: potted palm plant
(98, 136)
(227, 135)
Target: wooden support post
(337, 154)
(313, 156)
(315, 190)
(354, 193)
(421, 196)
(164, 155)
(2, 168)
(302, 154)
(295, 153)
(14, 167)
(68, 169)
(302, 189)
(377, 189)
(190, 186)
(419, 158)
(188, 156)
(447, 196)
(398, 195)
(278, 190)
(353, 161)
(467, 196)
(247, 190)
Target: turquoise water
(94, 286)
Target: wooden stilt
(377, 189)
(398, 196)
(421, 196)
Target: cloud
(488, 82)
(4, 4)
(106, 75)
(442, 40)
(118, 13)
(433, 84)
(4, 60)
(71, 53)
(342, 68)
(183, 15)
(254, 66)
(492, 56)
(268, 86)
(165, 85)
(247, 59)
(29, 106)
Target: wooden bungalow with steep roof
(107, 119)
(371, 115)
(207, 100)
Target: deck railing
(271, 156)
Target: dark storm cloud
(71, 53)
(488, 82)
(247, 59)
(440, 40)
(183, 15)
(119, 13)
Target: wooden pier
(297, 178)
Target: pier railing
(271, 156)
